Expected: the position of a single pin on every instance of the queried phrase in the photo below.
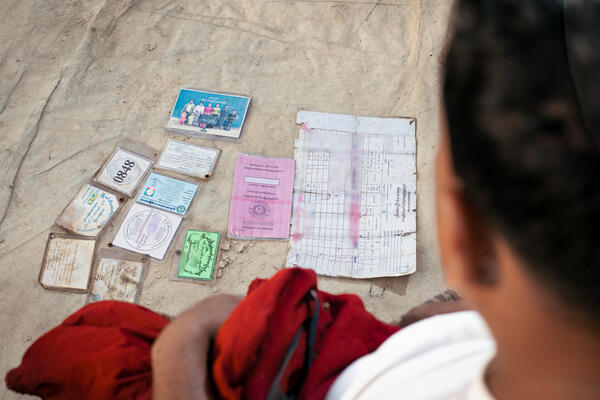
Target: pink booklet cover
(261, 203)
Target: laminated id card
(67, 263)
(90, 211)
(188, 159)
(124, 171)
(201, 113)
(198, 256)
(167, 193)
(146, 230)
(117, 276)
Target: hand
(180, 353)
(431, 309)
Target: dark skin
(545, 349)
(180, 354)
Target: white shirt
(442, 357)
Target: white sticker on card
(147, 230)
(89, 211)
(124, 171)
(188, 159)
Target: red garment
(100, 352)
(103, 350)
(250, 346)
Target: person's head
(191, 101)
(518, 191)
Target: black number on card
(126, 167)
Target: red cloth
(250, 346)
(103, 350)
(100, 352)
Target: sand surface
(78, 76)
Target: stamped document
(188, 159)
(124, 171)
(147, 230)
(262, 198)
(67, 263)
(199, 255)
(167, 193)
(116, 279)
(89, 212)
(354, 196)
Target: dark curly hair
(520, 140)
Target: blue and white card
(208, 113)
(167, 193)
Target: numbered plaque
(124, 171)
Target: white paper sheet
(354, 209)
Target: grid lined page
(354, 170)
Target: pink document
(261, 203)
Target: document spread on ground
(147, 230)
(116, 279)
(89, 212)
(187, 159)
(261, 202)
(354, 211)
(124, 171)
(67, 263)
(167, 193)
(199, 255)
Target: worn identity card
(187, 159)
(261, 202)
(89, 212)
(67, 263)
(147, 230)
(116, 279)
(199, 255)
(124, 171)
(167, 193)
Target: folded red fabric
(251, 345)
(100, 352)
(103, 350)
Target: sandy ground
(78, 76)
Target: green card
(199, 255)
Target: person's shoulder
(442, 355)
(468, 323)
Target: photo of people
(197, 112)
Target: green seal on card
(199, 255)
